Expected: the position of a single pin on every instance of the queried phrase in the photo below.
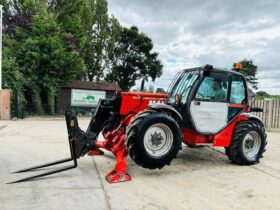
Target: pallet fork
(74, 134)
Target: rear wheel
(153, 139)
(248, 143)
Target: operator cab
(208, 98)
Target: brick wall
(5, 105)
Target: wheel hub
(158, 140)
(251, 144)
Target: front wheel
(248, 143)
(153, 139)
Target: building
(83, 96)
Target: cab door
(238, 96)
(209, 107)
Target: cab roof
(211, 68)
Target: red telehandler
(205, 106)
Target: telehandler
(204, 106)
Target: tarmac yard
(200, 178)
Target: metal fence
(271, 112)
(30, 111)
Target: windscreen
(182, 86)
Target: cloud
(189, 33)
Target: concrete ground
(201, 178)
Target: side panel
(209, 117)
(223, 138)
(193, 138)
(138, 101)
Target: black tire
(235, 151)
(135, 139)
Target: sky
(191, 33)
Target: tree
(160, 90)
(40, 57)
(262, 94)
(133, 59)
(104, 34)
(18, 14)
(249, 70)
(76, 18)
(94, 32)
(12, 77)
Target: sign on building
(87, 98)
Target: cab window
(213, 87)
(237, 95)
(182, 86)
